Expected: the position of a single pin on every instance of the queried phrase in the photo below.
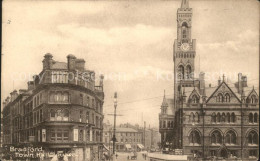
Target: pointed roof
(164, 103)
(185, 4)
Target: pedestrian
(116, 156)
(128, 157)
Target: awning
(128, 146)
(105, 147)
(140, 146)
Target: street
(123, 157)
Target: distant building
(61, 111)
(128, 139)
(206, 121)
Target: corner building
(61, 111)
(206, 121)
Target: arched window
(251, 118)
(164, 124)
(65, 97)
(197, 117)
(65, 115)
(223, 117)
(194, 137)
(252, 138)
(219, 97)
(52, 113)
(169, 124)
(253, 99)
(192, 117)
(188, 72)
(228, 117)
(218, 117)
(230, 137)
(181, 72)
(195, 99)
(213, 118)
(255, 117)
(227, 97)
(160, 124)
(58, 115)
(233, 117)
(216, 137)
(184, 30)
(87, 117)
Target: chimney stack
(21, 91)
(47, 61)
(14, 95)
(80, 64)
(30, 85)
(202, 83)
(219, 81)
(71, 59)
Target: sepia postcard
(174, 80)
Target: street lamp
(114, 135)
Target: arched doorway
(223, 153)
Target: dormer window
(253, 99)
(194, 99)
(219, 97)
(227, 98)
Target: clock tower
(184, 50)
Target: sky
(131, 44)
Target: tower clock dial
(185, 47)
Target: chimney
(7, 100)
(71, 62)
(80, 64)
(219, 81)
(14, 95)
(47, 61)
(240, 86)
(30, 85)
(21, 91)
(202, 83)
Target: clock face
(185, 46)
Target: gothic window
(188, 72)
(219, 97)
(252, 138)
(216, 137)
(58, 115)
(192, 117)
(255, 118)
(195, 99)
(184, 30)
(218, 117)
(233, 117)
(223, 117)
(181, 72)
(230, 137)
(213, 118)
(194, 137)
(228, 117)
(227, 97)
(253, 99)
(251, 118)
(197, 117)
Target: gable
(223, 94)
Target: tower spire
(185, 4)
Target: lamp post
(114, 134)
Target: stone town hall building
(60, 111)
(219, 121)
